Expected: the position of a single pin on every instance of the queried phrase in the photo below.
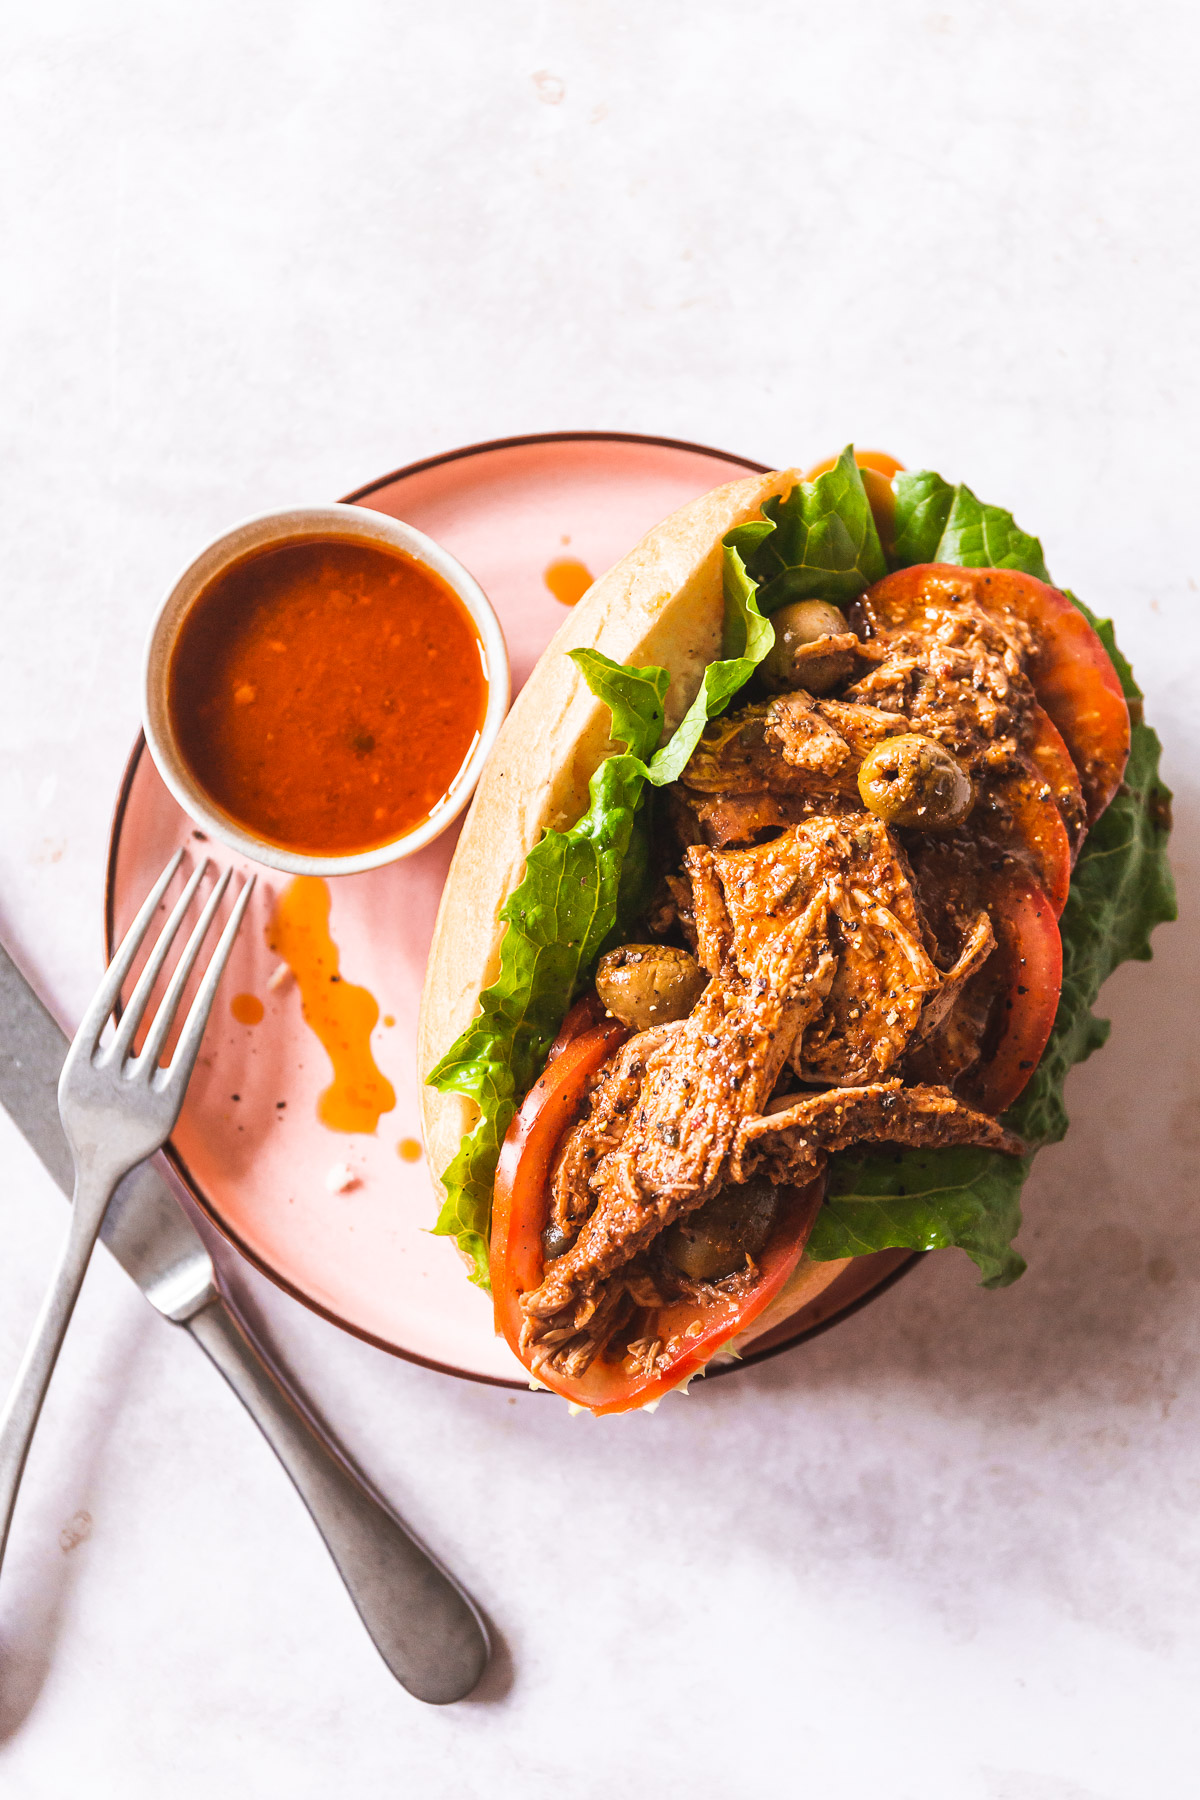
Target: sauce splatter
(568, 579)
(408, 1150)
(247, 1009)
(341, 1015)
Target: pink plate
(249, 1144)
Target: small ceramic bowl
(262, 533)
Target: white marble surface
(952, 1550)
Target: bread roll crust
(663, 603)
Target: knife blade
(423, 1624)
(145, 1228)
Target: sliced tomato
(586, 1012)
(1032, 824)
(1053, 761)
(519, 1205)
(1039, 814)
(1026, 818)
(1071, 671)
(690, 1332)
(1025, 974)
(998, 1028)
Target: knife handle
(423, 1625)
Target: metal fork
(117, 1108)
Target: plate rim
(177, 1162)
(550, 437)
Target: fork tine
(168, 1006)
(132, 1016)
(107, 994)
(177, 1075)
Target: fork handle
(23, 1407)
(423, 1625)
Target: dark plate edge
(550, 437)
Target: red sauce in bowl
(326, 692)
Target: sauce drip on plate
(342, 1015)
(326, 693)
(568, 579)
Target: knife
(425, 1627)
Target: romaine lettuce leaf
(748, 637)
(824, 545)
(939, 523)
(557, 921)
(634, 697)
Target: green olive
(716, 1239)
(915, 782)
(649, 984)
(795, 659)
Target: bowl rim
(262, 531)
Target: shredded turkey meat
(791, 1142)
(793, 745)
(884, 973)
(708, 1074)
(817, 961)
(958, 678)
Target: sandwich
(777, 921)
